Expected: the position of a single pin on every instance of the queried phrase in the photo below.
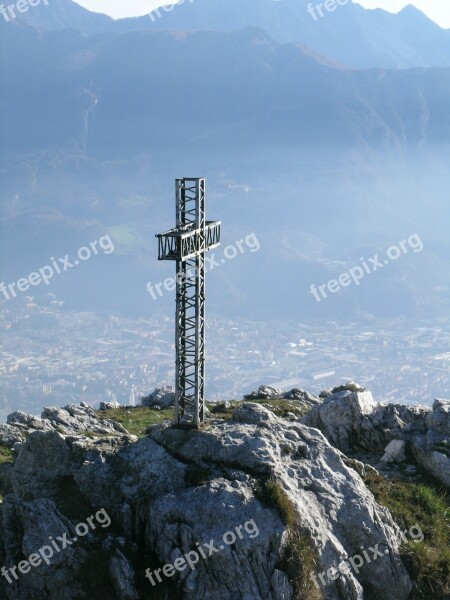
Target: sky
(438, 10)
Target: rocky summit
(254, 506)
(352, 421)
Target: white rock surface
(343, 417)
(330, 499)
(394, 451)
(351, 421)
(165, 492)
(109, 405)
(163, 397)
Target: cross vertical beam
(187, 244)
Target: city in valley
(89, 357)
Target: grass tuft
(5, 454)
(279, 407)
(425, 505)
(271, 493)
(136, 419)
(282, 407)
(300, 556)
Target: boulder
(351, 421)
(264, 392)
(109, 405)
(300, 397)
(121, 572)
(25, 422)
(343, 417)
(438, 421)
(394, 452)
(164, 397)
(70, 419)
(11, 435)
(350, 386)
(26, 527)
(76, 419)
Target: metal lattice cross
(187, 245)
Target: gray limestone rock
(164, 397)
(176, 489)
(352, 420)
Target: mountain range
(349, 34)
(99, 118)
(84, 90)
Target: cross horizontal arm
(183, 243)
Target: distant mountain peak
(65, 14)
(412, 11)
(350, 35)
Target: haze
(437, 10)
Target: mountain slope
(94, 129)
(115, 92)
(351, 34)
(65, 14)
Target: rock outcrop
(162, 397)
(351, 420)
(109, 405)
(175, 489)
(71, 419)
(301, 397)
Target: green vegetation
(136, 419)
(60, 430)
(278, 407)
(219, 411)
(5, 458)
(282, 407)
(300, 557)
(271, 493)
(5, 454)
(89, 434)
(427, 506)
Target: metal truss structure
(187, 244)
